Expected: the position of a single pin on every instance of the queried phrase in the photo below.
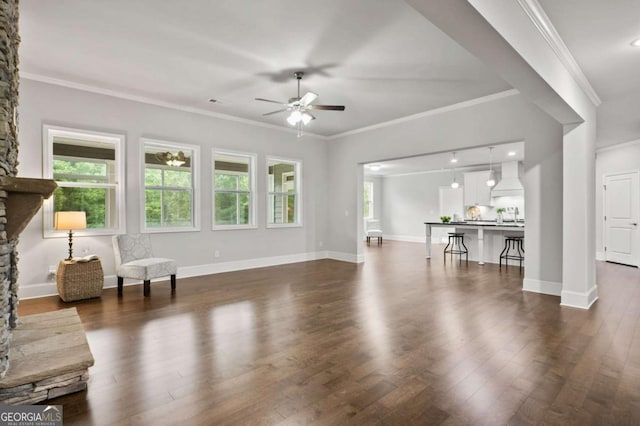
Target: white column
(579, 287)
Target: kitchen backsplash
(489, 212)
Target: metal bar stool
(515, 244)
(456, 239)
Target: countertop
(479, 223)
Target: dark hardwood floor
(398, 340)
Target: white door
(622, 214)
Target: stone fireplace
(46, 355)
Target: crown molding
(156, 102)
(541, 21)
(171, 105)
(448, 108)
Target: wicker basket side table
(77, 281)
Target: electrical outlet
(216, 253)
(320, 244)
(53, 271)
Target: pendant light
(454, 184)
(453, 158)
(491, 182)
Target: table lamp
(69, 221)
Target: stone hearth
(49, 357)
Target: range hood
(509, 185)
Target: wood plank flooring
(398, 340)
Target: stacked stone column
(9, 81)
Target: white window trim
(371, 200)
(298, 184)
(195, 181)
(51, 131)
(253, 204)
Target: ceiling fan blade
(269, 100)
(327, 107)
(275, 112)
(308, 98)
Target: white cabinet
(476, 191)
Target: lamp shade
(70, 220)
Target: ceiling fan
(300, 106)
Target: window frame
(195, 185)
(253, 199)
(297, 163)
(49, 132)
(371, 199)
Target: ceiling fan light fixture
(294, 117)
(306, 118)
(173, 160)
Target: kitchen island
(480, 228)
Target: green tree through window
(233, 189)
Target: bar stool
(512, 243)
(456, 239)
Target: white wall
(411, 200)
(621, 158)
(43, 103)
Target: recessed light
(636, 42)
(511, 153)
(375, 167)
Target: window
(284, 200)
(170, 193)
(233, 190)
(367, 206)
(89, 171)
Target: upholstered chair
(134, 259)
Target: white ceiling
(467, 159)
(381, 59)
(598, 33)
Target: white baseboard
(239, 265)
(406, 238)
(345, 257)
(579, 300)
(539, 286)
(50, 289)
(600, 255)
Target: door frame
(604, 211)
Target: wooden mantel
(25, 196)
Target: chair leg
(147, 288)
(466, 251)
(173, 282)
(379, 241)
(368, 240)
(445, 250)
(120, 285)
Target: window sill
(284, 225)
(167, 230)
(233, 227)
(84, 233)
